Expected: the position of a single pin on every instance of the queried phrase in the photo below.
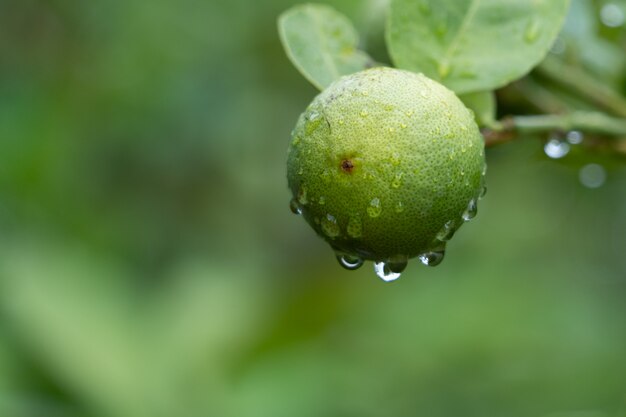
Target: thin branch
(510, 128)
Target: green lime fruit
(386, 165)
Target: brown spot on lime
(347, 165)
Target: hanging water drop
(384, 273)
(295, 206)
(350, 262)
(433, 258)
(397, 263)
(483, 191)
(556, 149)
(574, 137)
(447, 231)
(470, 211)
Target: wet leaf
(321, 43)
(473, 45)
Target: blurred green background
(150, 266)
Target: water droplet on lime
(384, 273)
(294, 206)
(350, 262)
(374, 208)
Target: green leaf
(321, 43)
(483, 104)
(473, 45)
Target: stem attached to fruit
(600, 125)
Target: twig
(588, 122)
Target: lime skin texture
(385, 165)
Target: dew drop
(397, 180)
(399, 207)
(384, 273)
(391, 130)
(374, 208)
(330, 226)
(556, 149)
(483, 191)
(364, 113)
(403, 125)
(447, 231)
(350, 262)
(355, 227)
(532, 31)
(397, 263)
(470, 211)
(295, 141)
(322, 200)
(409, 113)
(574, 137)
(312, 122)
(433, 258)
(592, 175)
(295, 206)
(302, 198)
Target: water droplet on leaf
(533, 29)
